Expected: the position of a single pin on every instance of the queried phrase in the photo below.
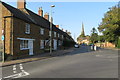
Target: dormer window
(41, 31)
(27, 28)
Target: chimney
(21, 4)
(66, 31)
(40, 12)
(57, 26)
(46, 16)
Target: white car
(76, 46)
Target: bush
(67, 43)
(118, 45)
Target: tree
(110, 25)
(94, 36)
(101, 38)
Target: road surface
(81, 63)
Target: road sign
(3, 38)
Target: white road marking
(14, 71)
(14, 65)
(18, 75)
(23, 70)
(21, 67)
(14, 68)
(20, 64)
(22, 74)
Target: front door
(55, 44)
(30, 44)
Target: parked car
(76, 46)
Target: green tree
(94, 36)
(110, 25)
(101, 38)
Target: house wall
(15, 28)
(7, 29)
(19, 32)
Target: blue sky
(70, 15)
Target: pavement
(77, 63)
(37, 57)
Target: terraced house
(27, 33)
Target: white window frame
(58, 35)
(55, 33)
(62, 36)
(42, 31)
(46, 41)
(24, 45)
(27, 28)
(42, 45)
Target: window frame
(42, 31)
(42, 44)
(27, 28)
(24, 45)
(55, 34)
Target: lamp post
(51, 21)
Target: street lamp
(51, 21)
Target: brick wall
(7, 23)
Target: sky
(71, 15)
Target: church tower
(83, 32)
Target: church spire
(83, 32)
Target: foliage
(118, 43)
(101, 38)
(110, 25)
(94, 36)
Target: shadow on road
(81, 50)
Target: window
(42, 44)
(54, 34)
(23, 44)
(46, 42)
(41, 31)
(59, 42)
(58, 35)
(62, 36)
(27, 28)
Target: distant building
(82, 39)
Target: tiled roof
(32, 17)
(17, 13)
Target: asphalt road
(81, 63)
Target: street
(81, 63)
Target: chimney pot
(40, 12)
(57, 26)
(46, 16)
